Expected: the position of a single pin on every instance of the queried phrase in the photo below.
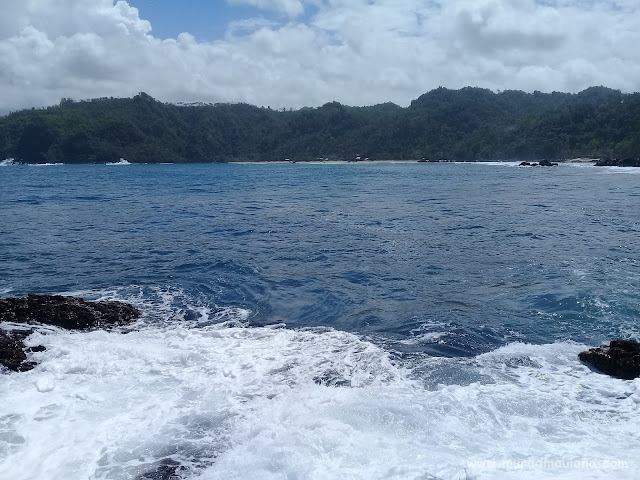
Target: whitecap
(194, 385)
(122, 161)
(265, 403)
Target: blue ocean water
(442, 274)
(485, 253)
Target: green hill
(466, 124)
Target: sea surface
(323, 321)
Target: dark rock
(37, 348)
(331, 378)
(629, 162)
(621, 359)
(166, 469)
(12, 351)
(607, 162)
(547, 163)
(525, 164)
(616, 162)
(72, 313)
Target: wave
(122, 161)
(627, 170)
(7, 162)
(498, 164)
(227, 400)
(44, 164)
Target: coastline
(318, 162)
(390, 161)
(582, 161)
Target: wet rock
(166, 469)
(617, 162)
(607, 162)
(543, 163)
(621, 359)
(332, 378)
(12, 351)
(629, 162)
(71, 313)
(547, 163)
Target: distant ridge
(467, 124)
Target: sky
(295, 53)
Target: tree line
(470, 124)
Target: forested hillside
(466, 124)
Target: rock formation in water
(13, 353)
(71, 313)
(621, 359)
(166, 469)
(543, 163)
(618, 162)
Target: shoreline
(371, 162)
(583, 161)
(318, 162)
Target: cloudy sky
(293, 53)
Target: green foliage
(466, 124)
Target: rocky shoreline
(618, 162)
(621, 358)
(70, 313)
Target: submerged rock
(332, 378)
(166, 469)
(621, 359)
(71, 313)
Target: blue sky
(207, 20)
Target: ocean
(323, 321)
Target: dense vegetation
(466, 124)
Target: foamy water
(122, 161)
(497, 267)
(230, 401)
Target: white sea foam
(493, 164)
(429, 337)
(7, 162)
(232, 402)
(627, 170)
(122, 161)
(427, 332)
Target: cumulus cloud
(354, 51)
(293, 8)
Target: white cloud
(354, 51)
(293, 8)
